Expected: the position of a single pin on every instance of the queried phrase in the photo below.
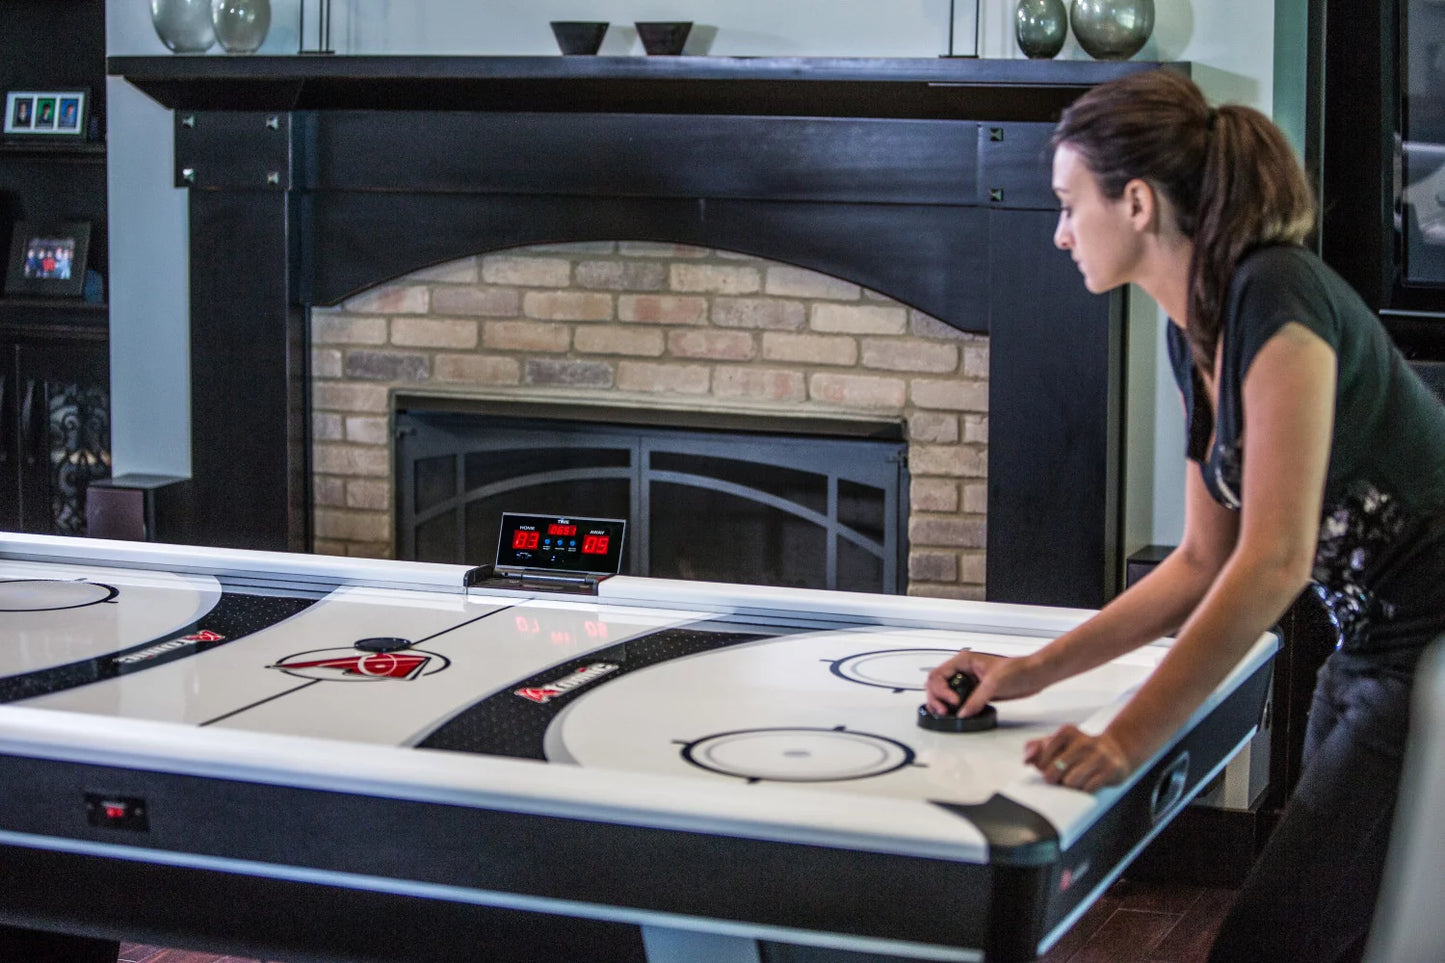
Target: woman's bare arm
(1155, 606)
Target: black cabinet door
(9, 442)
(54, 433)
(1056, 422)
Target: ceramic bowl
(579, 36)
(663, 37)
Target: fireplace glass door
(726, 506)
(1421, 203)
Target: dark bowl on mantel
(663, 37)
(579, 36)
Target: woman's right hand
(999, 677)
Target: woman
(1318, 460)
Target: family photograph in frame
(45, 113)
(48, 259)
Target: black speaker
(137, 508)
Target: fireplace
(626, 336)
(312, 180)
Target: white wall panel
(149, 297)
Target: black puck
(382, 643)
(986, 718)
(963, 684)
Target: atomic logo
(560, 687)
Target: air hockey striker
(302, 757)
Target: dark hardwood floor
(1131, 923)
(1146, 923)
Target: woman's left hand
(1075, 759)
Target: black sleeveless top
(1380, 560)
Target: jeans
(1311, 895)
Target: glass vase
(1112, 29)
(184, 26)
(241, 25)
(1041, 27)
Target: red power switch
(117, 812)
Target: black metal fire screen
(729, 506)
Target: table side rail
(1074, 814)
(849, 607)
(237, 565)
(1093, 861)
(496, 857)
(766, 812)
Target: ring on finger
(1061, 766)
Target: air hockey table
(312, 758)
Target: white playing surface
(772, 710)
(833, 709)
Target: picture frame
(48, 258)
(46, 113)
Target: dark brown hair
(1229, 173)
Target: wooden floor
(1131, 923)
(1146, 923)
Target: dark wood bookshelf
(31, 318)
(26, 302)
(85, 151)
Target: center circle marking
(898, 669)
(798, 755)
(51, 595)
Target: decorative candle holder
(323, 29)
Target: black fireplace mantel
(956, 87)
(311, 178)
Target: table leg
(665, 945)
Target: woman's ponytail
(1252, 192)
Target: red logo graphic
(205, 635)
(539, 695)
(356, 666)
(584, 675)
